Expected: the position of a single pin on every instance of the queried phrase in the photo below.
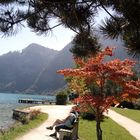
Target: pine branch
(108, 12)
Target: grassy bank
(111, 131)
(19, 129)
(130, 113)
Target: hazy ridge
(34, 69)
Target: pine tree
(77, 15)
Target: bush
(126, 104)
(24, 119)
(88, 116)
(34, 113)
(61, 98)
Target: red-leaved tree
(96, 71)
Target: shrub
(24, 119)
(126, 104)
(88, 116)
(61, 98)
(34, 113)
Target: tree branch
(108, 13)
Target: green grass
(19, 130)
(130, 113)
(111, 130)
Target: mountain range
(33, 70)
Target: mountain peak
(34, 45)
(36, 48)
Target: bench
(65, 134)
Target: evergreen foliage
(77, 15)
(125, 23)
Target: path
(130, 125)
(55, 111)
(41, 133)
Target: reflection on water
(9, 101)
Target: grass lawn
(19, 130)
(111, 130)
(130, 113)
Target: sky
(57, 39)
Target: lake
(9, 101)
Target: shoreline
(19, 129)
(8, 102)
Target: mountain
(119, 50)
(48, 79)
(33, 70)
(18, 71)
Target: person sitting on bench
(66, 123)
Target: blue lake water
(9, 101)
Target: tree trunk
(98, 128)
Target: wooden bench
(65, 134)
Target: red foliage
(96, 102)
(95, 69)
